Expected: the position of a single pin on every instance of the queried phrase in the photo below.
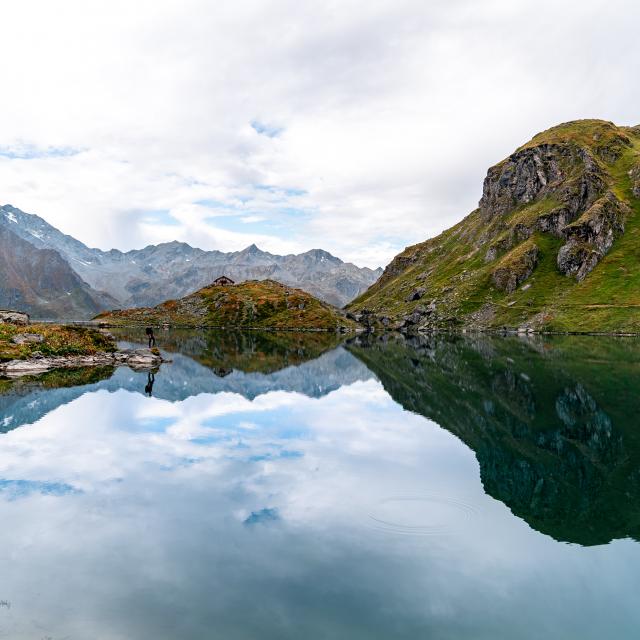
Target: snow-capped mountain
(146, 277)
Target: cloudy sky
(356, 126)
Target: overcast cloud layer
(356, 126)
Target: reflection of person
(151, 378)
(152, 338)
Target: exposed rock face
(634, 174)
(520, 179)
(14, 317)
(591, 236)
(516, 267)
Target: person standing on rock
(152, 338)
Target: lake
(300, 486)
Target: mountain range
(554, 245)
(53, 275)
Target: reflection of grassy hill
(553, 423)
(250, 351)
(262, 304)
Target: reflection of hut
(221, 372)
(223, 281)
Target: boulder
(27, 338)
(416, 294)
(14, 317)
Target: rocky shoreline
(141, 359)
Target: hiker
(152, 338)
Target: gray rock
(27, 338)
(134, 358)
(591, 236)
(14, 317)
(507, 277)
(634, 174)
(416, 294)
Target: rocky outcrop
(515, 267)
(591, 236)
(38, 363)
(14, 317)
(634, 174)
(520, 179)
(571, 175)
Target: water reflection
(303, 501)
(257, 363)
(553, 421)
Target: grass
(59, 340)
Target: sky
(358, 127)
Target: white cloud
(377, 120)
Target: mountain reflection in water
(552, 421)
(299, 486)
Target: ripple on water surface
(421, 515)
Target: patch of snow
(11, 216)
(36, 234)
(82, 262)
(7, 421)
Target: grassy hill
(258, 304)
(553, 245)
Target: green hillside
(258, 304)
(553, 245)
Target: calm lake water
(278, 486)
